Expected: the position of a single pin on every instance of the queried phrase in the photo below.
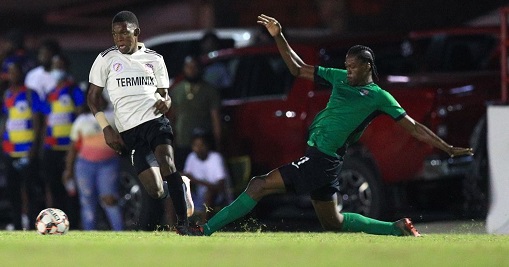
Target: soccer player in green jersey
(354, 102)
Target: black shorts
(316, 173)
(143, 139)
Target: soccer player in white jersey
(137, 82)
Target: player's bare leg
(260, 186)
(328, 215)
(332, 220)
(152, 182)
(176, 186)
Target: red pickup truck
(443, 79)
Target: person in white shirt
(39, 78)
(137, 83)
(209, 177)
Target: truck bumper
(436, 168)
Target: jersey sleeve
(78, 96)
(331, 75)
(74, 135)
(390, 106)
(161, 75)
(99, 72)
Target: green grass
(146, 249)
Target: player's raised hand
(270, 23)
(460, 151)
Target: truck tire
(476, 182)
(360, 190)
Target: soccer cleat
(189, 230)
(189, 198)
(407, 228)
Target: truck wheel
(476, 182)
(360, 190)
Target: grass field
(145, 249)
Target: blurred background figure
(209, 177)
(39, 78)
(63, 103)
(95, 168)
(12, 50)
(195, 105)
(21, 141)
(216, 73)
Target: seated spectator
(209, 178)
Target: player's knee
(155, 192)
(109, 200)
(256, 186)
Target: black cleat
(190, 230)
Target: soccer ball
(52, 221)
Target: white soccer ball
(52, 221)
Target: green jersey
(349, 111)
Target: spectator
(195, 105)
(21, 139)
(209, 177)
(39, 78)
(94, 166)
(13, 51)
(217, 73)
(61, 106)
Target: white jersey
(212, 169)
(41, 81)
(131, 81)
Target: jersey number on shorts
(297, 163)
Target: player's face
(15, 77)
(125, 36)
(191, 70)
(358, 72)
(200, 148)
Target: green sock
(354, 222)
(237, 209)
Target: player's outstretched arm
(424, 134)
(295, 64)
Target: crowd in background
(54, 153)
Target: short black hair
(52, 45)
(126, 16)
(365, 54)
(206, 136)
